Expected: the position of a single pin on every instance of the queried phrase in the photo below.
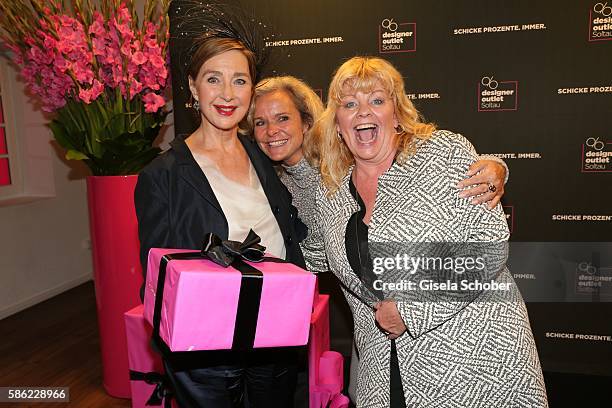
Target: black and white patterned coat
(454, 354)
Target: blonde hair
(306, 101)
(365, 74)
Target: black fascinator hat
(195, 22)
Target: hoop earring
(399, 129)
(339, 135)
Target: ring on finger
(491, 188)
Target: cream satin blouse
(245, 207)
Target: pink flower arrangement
(68, 58)
(100, 70)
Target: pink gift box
(325, 367)
(200, 303)
(141, 358)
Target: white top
(245, 207)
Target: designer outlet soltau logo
(494, 95)
(596, 155)
(600, 22)
(593, 279)
(396, 37)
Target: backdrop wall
(527, 81)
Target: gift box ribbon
(161, 392)
(225, 253)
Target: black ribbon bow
(162, 390)
(224, 252)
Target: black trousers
(228, 379)
(398, 400)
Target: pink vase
(117, 271)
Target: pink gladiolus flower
(153, 102)
(66, 21)
(124, 30)
(135, 88)
(132, 69)
(91, 94)
(39, 56)
(83, 72)
(114, 35)
(85, 95)
(123, 14)
(149, 79)
(139, 58)
(29, 73)
(151, 43)
(117, 75)
(55, 104)
(98, 88)
(156, 60)
(49, 42)
(122, 23)
(60, 63)
(36, 89)
(126, 49)
(68, 35)
(99, 46)
(150, 29)
(97, 27)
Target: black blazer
(176, 206)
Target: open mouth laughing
(366, 132)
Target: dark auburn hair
(207, 47)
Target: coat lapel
(344, 206)
(193, 175)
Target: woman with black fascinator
(217, 180)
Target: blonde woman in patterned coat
(282, 117)
(388, 178)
